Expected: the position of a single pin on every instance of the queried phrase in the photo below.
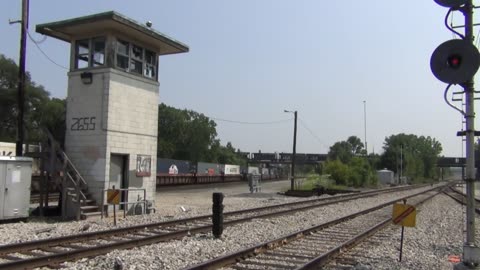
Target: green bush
(338, 172)
(358, 173)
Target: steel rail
(235, 257)
(463, 194)
(326, 257)
(463, 199)
(38, 244)
(99, 248)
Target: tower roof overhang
(69, 30)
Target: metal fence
(124, 193)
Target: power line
(38, 41)
(251, 123)
(40, 49)
(311, 132)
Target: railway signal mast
(455, 62)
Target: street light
(292, 181)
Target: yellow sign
(404, 215)
(113, 196)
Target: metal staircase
(76, 201)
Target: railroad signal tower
(112, 101)
(455, 62)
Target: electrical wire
(40, 49)
(304, 125)
(37, 41)
(251, 123)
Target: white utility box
(15, 181)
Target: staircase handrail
(68, 168)
(73, 181)
(64, 155)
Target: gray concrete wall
(118, 114)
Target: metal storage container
(209, 168)
(231, 169)
(385, 177)
(183, 166)
(15, 180)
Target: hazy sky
(251, 59)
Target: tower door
(118, 173)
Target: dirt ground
(193, 196)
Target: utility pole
(365, 124)
(292, 184)
(401, 164)
(294, 152)
(21, 80)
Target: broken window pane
(150, 64)
(98, 52)
(136, 66)
(150, 57)
(137, 52)
(82, 53)
(149, 71)
(123, 47)
(122, 54)
(122, 61)
(136, 59)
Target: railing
(70, 177)
(124, 193)
(189, 179)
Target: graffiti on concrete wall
(83, 123)
(144, 163)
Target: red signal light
(454, 61)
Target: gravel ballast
(197, 248)
(438, 234)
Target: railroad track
(316, 246)
(52, 252)
(461, 198)
(53, 197)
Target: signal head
(451, 3)
(455, 61)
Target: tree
(417, 156)
(356, 145)
(54, 118)
(184, 134)
(8, 99)
(225, 154)
(188, 135)
(40, 110)
(346, 150)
